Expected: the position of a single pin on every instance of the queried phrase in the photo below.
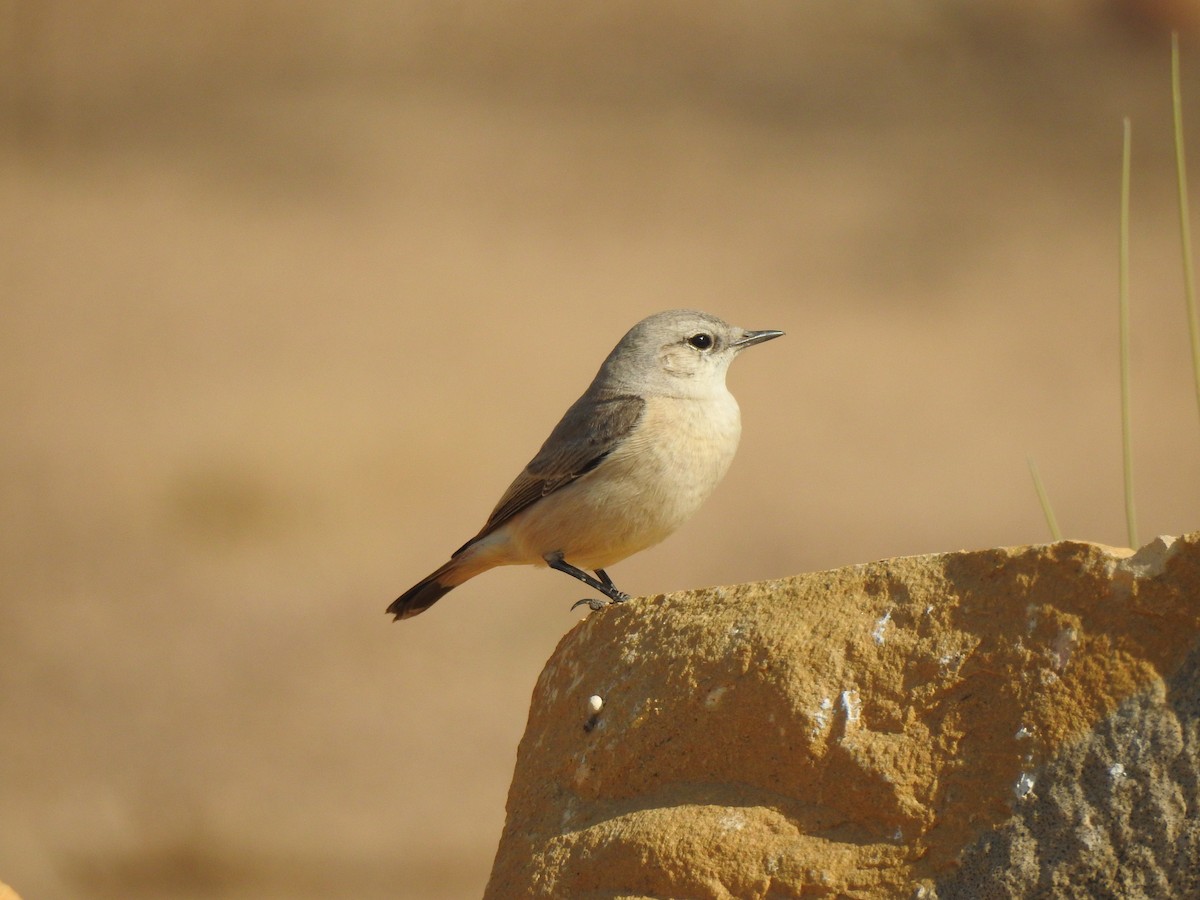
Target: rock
(1005, 723)
(7, 893)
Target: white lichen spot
(1116, 770)
(582, 772)
(594, 704)
(951, 660)
(1024, 785)
(714, 696)
(1062, 648)
(898, 835)
(731, 822)
(851, 705)
(1087, 834)
(821, 716)
(881, 627)
(929, 610)
(1031, 618)
(1023, 733)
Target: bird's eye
(701, 341)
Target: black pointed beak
(750, 338)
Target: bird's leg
(595, 604)
(603, 583)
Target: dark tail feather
(420, 596)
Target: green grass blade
(1185, 230)
(1126, 428)
(1044, 500)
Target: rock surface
(1003, 723)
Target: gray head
(680, 352)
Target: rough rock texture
(1114, 815)
(1004, 723)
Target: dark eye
(701, 341)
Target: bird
(631, 460)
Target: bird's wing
(590, 431)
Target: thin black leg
(603, 584)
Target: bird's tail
(430, 590)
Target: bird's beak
(751, 338)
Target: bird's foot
(595, 604)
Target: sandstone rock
(1004, 723)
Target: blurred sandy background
(292, 290)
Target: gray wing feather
(591, 429)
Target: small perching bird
(630, 462)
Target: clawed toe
(594, 603)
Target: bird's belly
(642, 492)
